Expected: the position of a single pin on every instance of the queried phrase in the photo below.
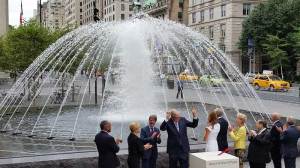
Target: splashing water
(137, 57)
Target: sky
(15, 9)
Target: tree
(275, 17)
(22, 45)
(274, 47)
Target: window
(223, 47)
(80, 3)
(246, 9)
(113, 7)
(223, 10)
(80, 16)
(113, 17)
(130, 7)
(193, 2)
(223, 30)
(211, 13)
(201, 1)
(122, 16)
(122, 7)
(211, 32)
(179, 15)
(80, 10)
(130, 15)
(202, 29)
(202, 15)
(194, 17)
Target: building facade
(175, 10)
(3, 17)
(117, 10)
(221, 21)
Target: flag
(21, 15)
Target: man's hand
(279, 129)
(118, 141)
(252, 133)
(168, 115)
(194, 112)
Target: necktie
(177, 126)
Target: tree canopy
(20, 46)
(274, 18)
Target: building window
(223, 10)
(193, 2)
(130, 15)
(80, 10)
(80, 3)
(223, 47)
(202, 16)
(130, 7)
(211, 13)
(246, 9)
(201, 1)
(122, 7)
(122, 16)
(211, 32)
(113, 17)
(113, 7)
(194, 19)
(179, 15)
(223, 30)
(202, 29)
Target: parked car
(250, 77)
(211, 80)
(188, 77)
(271, 82)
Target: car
(184, 76)
(250, 77)
(212, 80)
(270, 82)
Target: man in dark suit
(150, 134)
(275, 140)
(107, 147)
(258, 151)
(178, 143)
(289, 139)
(222, 136)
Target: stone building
(3, 17)
(117, 10)
(175, 10)
(221, 21)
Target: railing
(157, 5)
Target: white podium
(213, 160)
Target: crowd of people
(280, 141)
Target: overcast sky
(15, 9)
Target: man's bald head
(275, 117)
(290, 120)
(175, 115)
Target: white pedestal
(213, 160)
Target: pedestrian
(135, 146)
(107, 147)
(178, 143)
(275, 140)
(222, 136)
(239, 137)
(103, 83)
(259, 147)
(289, 139)
(179, 88)
(211, 133)
(150, 134)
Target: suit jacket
(107, 149)
(275, 136)
(146, 138)
(178, 142)
(222, 136)
(289, 139)
(135, 150)
(258, 150)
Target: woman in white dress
(211, 133)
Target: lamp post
(40, 6)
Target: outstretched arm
(192, 124)
(163, 126)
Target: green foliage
(278, 18)
(20, 46)
(274, 47)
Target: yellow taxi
(271, 82)
(187, 77)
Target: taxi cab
(271, 82)
(184, 76)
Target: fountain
(61, 95)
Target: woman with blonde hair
(136, 146)
(211, 133)
(239, 137)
